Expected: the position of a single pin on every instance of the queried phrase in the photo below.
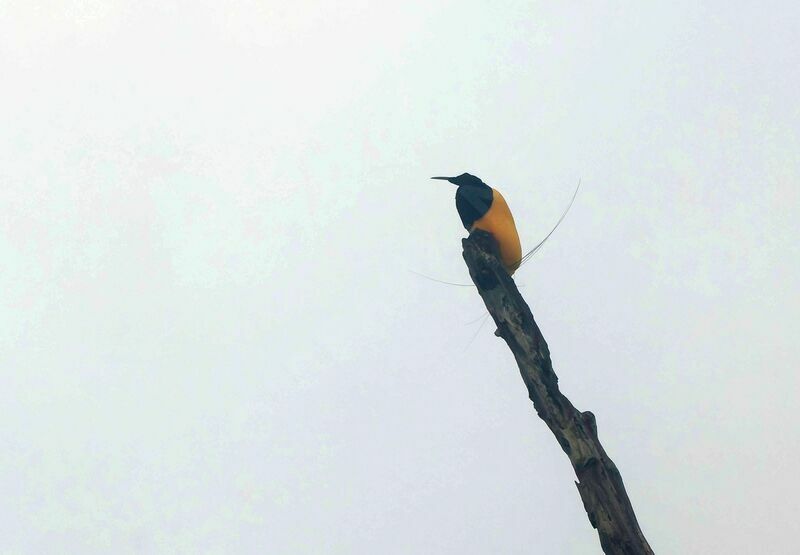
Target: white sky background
(210, 339)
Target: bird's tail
(528, 255)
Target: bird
(483, 207)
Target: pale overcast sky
(211, 338)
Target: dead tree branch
(599, 482)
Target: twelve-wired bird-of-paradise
(483, 207)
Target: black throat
(472, 202)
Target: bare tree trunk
(599, 481)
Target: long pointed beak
(445, 178)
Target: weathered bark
(599, 481)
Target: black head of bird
(464, 180)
